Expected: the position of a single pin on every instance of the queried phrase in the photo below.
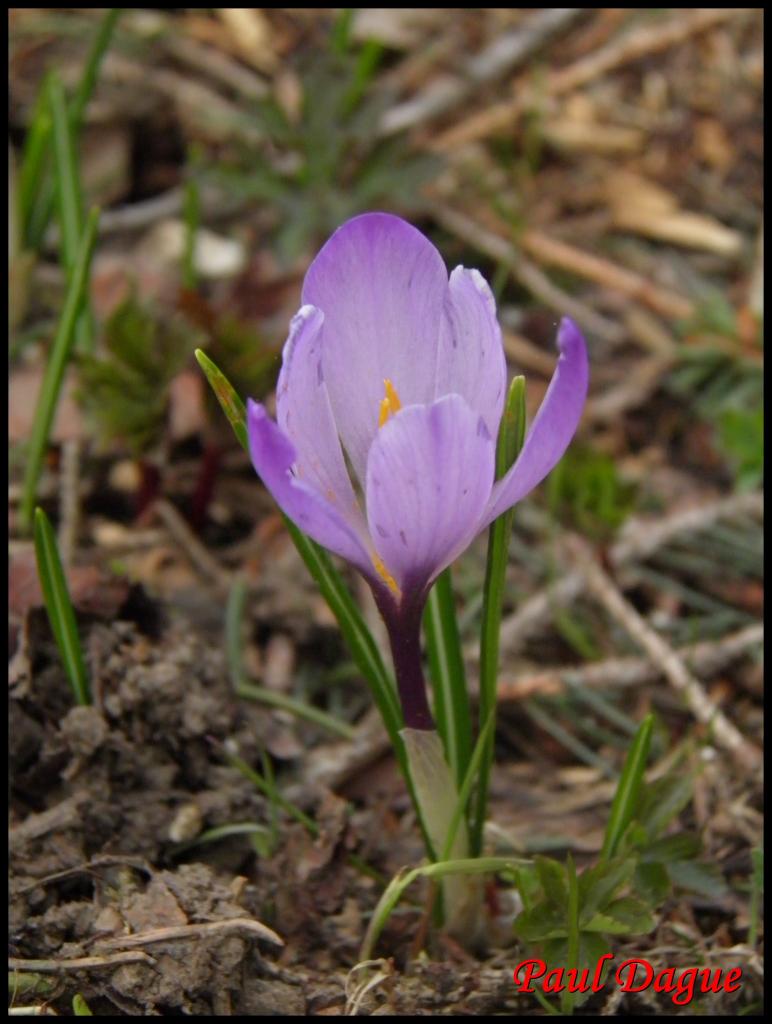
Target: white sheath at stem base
(437, 796)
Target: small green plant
(125, 391)
(571, 920)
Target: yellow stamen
(390, 404)
(386, 576)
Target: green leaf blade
(451, 697)
(61, 614)
(510, 442)
(625, 800)
(55, 367)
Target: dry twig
(191, 931)
(662, 654)
(79, 963)
(703, 658)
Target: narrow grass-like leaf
(230, 403)
(270, 790)
(90, 73)
(405, 878)
(298, 708)
(54, 373)
(68, 191)
(36, 149)
(70, 200)
(39, 185)
(234, 616)
(510, 441)
(466, 786)
(214, 835)
(61, 614)
(451, 698)
(626, 796)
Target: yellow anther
(390, 404)
(386, 576)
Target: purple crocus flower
(389, 400)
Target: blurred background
(602, 163)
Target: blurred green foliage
(125, 391)
(586, 493)
(325, 162)
(724, 387)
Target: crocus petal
(304, 414)
(552, 429)
(470, 360)
(429, 477)
(273, 456)
(381, 285)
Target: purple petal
(273, 457)
(381, 285)
(552, 429)
(304, 414)
(429, 477)
(471, 359)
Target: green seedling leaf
(527, 884)
(230, 403)
(553, 880)
(625, 802)
(508, 447)
(80, 1006)
(682, 846)
(61, 614)
(704, 879)
(662, 802)
(652, 883)
(625, 916)
(38, 200)
(55, 367)
(599, 885)
(451, 696)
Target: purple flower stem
(403, 623)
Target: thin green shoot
(625, 800)
(55, 367)
(510, 442)
(451, 698)
(61, 613)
